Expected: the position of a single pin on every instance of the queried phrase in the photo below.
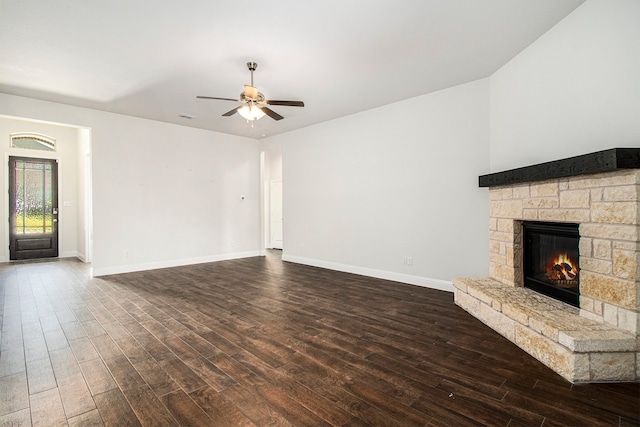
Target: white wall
(275, 162)
(165, 194)
(66, 153)
(364, 191)
(574, 91)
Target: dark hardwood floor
(261, 342)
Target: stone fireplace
(595, 340)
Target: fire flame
(562, 268)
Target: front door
(33, 208)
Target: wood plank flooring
(257, 342)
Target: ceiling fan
(255, 104)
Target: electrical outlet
(125, 253)
(409, 260)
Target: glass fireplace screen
(551, 260)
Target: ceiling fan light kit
(255, 104)
(251, 112)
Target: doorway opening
(276, 214)
(57, 221)
(272, 184)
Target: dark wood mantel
(598, 162)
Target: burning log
(561, 270)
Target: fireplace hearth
(551, 260)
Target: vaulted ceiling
(151, 58)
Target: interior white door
(276, 214)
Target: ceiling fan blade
(286, 103)
(269, 112)
(214, 97)
(232, 112)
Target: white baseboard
(443, 285)
(103, 271)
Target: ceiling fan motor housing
(251, 94)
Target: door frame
(29, 154)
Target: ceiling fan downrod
(252, 67)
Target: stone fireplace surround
(601, 191)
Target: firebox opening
(551, 260)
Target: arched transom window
(33, 141)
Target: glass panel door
(33, 208)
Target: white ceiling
(151, 58)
